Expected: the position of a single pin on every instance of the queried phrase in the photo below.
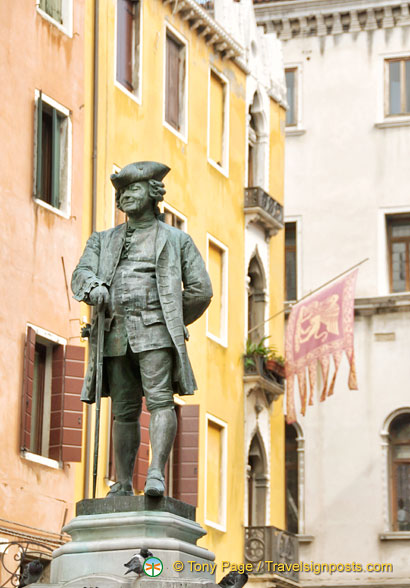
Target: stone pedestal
(107, 532)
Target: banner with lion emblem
(319, 327)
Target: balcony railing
(263, 210)
(267, 546)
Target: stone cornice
(205, 26)
(306, 18)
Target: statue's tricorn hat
(139, 171)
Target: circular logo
(152, 567)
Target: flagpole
(309, 294)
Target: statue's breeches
(133, 375)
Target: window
(215, 477)
(53, 154)
(59, 12)
(53, 8)
(256, 299)
(128, 69)
(174, 218)
(398, 232)
(292, 486)
(218, 121)
(290, 261)
(217, 264)
(185, 455)
(399, 434)
(291, 90)
(397, 100)
(51, 408)
(175, 83)
(258, 482)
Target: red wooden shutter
(57, 379)
(142, 461)
(72, 420)
(172, 82)
(125, 21)
(28, 374)
(186, 454)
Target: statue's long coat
(178, 262)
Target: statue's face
(135, 198)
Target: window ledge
(58, 25)
(393, 122)
(221, 341)
(56, 211)
(305, 538)
(294, 132)
(134, 97)
(221, 169)
(180, 136)
(216, 526)
(46, 461)
(395, 536)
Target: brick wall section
(142, 462)
(72, 414)
(28, 375)
(186, 455)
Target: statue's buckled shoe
(155, 484)
(117, 489)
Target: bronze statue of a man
(137, 270)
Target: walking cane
(98, 387)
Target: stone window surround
(137, 95)
(388, 534)
(66, 26)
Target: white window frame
(223, 339)
(34, 457)
(137, 95)
(383, 278)
(220, 526)
(385, 448)
(164, 206)
(299, 268)
(384, 120)
(67, 11)
(297, 129)
(183, 133)
(224, 168)
(65, 211)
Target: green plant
(256, 349)
(260, 349)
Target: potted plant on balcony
(276, 365)
(255, 357)
(263, 360)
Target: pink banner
(319, 327)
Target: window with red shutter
(51, 406)
(175, 82)
(128, 44)
(185, 455)
(142, 461)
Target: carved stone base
(102, 543)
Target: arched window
(256, 298)
(292, 479)
(399, 445)
(257, 143)
(257, 483)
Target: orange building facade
(41, 192)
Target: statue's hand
(99, 295)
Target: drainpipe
(93, 217)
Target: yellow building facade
(166, 82)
